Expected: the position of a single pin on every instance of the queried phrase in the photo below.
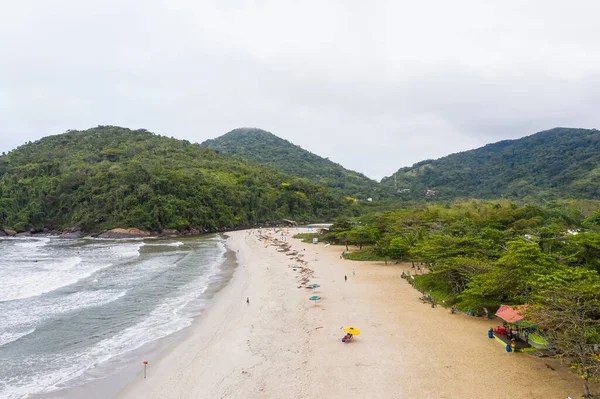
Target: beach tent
(510, 314)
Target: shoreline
(227, 308)
(283, 345)
(120, 233)
(110, 378)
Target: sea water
(69, 307)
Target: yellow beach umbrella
(352, 330)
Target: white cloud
(371, 85)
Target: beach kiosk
(511, 314)
(514, 334)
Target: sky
(373, 85)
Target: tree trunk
(586, 389)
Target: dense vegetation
(468, 245)
(555, 164)
(114, 177)
(482, 254)
(259, 146)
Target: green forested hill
(259, 146)
(558, 163)
(115, 177)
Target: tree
(409, 241)
(397, 248)
(361, 235)
(567, 309)
(382, 247)
(589, 253)
(458, 271)
(512, 277)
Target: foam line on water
(18, 320)
(33, 242)
(165, 244)
(42, 277)
(164, 320)
(7, 337)
(128, 250)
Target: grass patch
(366, 254)
(307, 237)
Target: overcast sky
(373, 85)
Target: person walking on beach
(248, 300)
(345, 278)
(353, 272)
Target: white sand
(283, 346)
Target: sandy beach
(282, 345)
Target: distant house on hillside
(404, 190)
(430, 193)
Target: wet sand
(282, 345)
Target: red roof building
(511, 314)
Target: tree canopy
(259, 146)
(109, 177)
(555, 164)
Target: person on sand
(345, 278)
(248, 300)
(353, 272)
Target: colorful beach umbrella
(352, 330)
(314, 298)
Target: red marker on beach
(145, 365)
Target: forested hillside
(259, 146)
(558, 163)
(110, 177)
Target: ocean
(74, 311)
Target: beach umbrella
(315, 285)
(314, 298)
(352, 330)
